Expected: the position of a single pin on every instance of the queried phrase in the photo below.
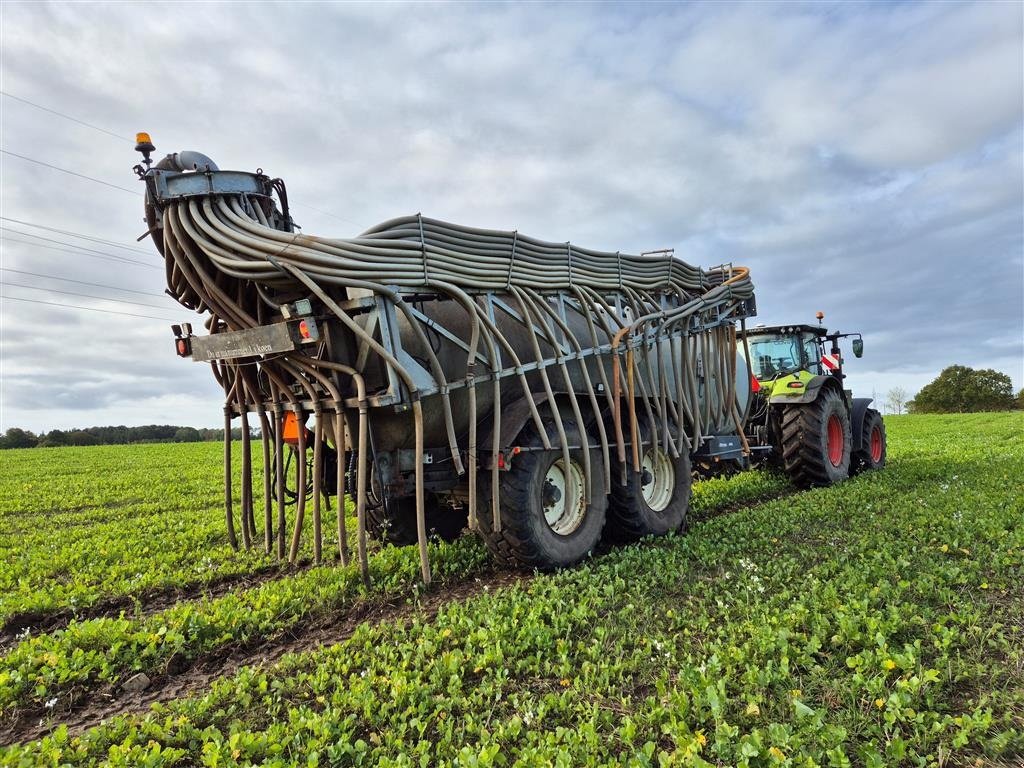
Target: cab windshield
(777, 354)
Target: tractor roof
(817, 330)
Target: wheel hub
(552, 493)
(657, 479)
(876, 444)
(564, 497)
(835, 440)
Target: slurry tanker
(441, 376)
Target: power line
(72, 173)
(76, 306)
(93, 251)
(78, 235)
(125, 138)
(84, 295)
(66, 244)
(69, 247)
(325, 213)
(80, 282)
(76, 252)
(61, 114)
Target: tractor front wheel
(872, 452)
(816, 440)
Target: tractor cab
(782, 350)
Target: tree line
(959, 389)
(16, 437)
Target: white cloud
(863, 159)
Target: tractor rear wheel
(654, 500)
(396, 523)
(551, 514)
(816, 440)
(872, 452)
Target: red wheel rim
(876, 444)
(835, 440)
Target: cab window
(775, 354)
(812, 355)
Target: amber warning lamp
(144, 145)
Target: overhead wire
(76, 252)
(79, 235)
(79, 282)
(71, 173)
(80, 248)
(126, 138)
(296, 204)
(82, 295)
(77, 306)
(62, 114)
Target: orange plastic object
(290, 429)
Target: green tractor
(801, 417)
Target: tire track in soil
(110, 701)
(149, 602)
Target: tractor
(801, 417)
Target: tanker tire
(396, 525)
(630, 516)
(871, 456)
(526, 539)
(806, 441)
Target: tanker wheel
(654, 500)
(396, 524)
(546, 520)
(816, 440)
(873, 446)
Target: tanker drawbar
(540, 394)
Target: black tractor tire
(816, 440)
(396, 523)
(526, 538)
(873, 446)
(668, 482)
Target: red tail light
(755, 385)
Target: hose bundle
(415, 251)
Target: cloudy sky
(863, 159)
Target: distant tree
(187, 435)
(81, 437)
(53, 439)
(18, 438)
(1020, 400)
(896, 399)
(959, 389)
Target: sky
(866, 160)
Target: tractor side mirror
(858, 347)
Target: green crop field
(878, 622)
